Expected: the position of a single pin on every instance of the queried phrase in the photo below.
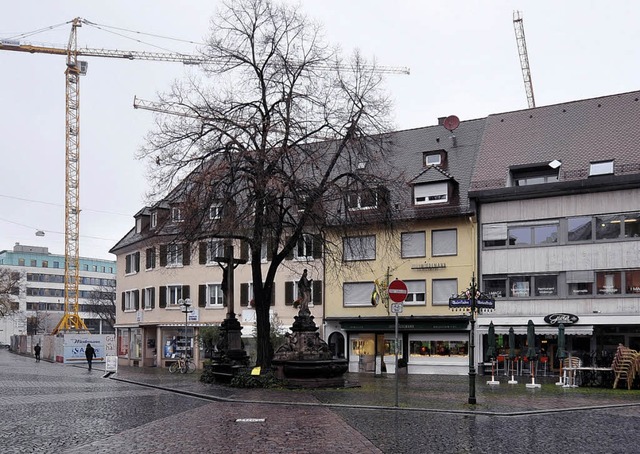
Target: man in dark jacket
(36, 351)
(90, 353)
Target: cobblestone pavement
(52, 408)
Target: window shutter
(288, 293)
(202, 253)
(244, 294)
(270, 249)
(317, 247)
(273, 295)
(122, 301)
(186, 291)
(186, 254)
(244, 250)
(317, 293)
(153, 297)
(127, 264)
(163, 255)
(202, 295)
(163, 296)
(136, 297)
(137, 261)
(290, 253)
(143, 298)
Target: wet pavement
(53, 408)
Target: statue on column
(304, 293)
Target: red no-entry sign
(397, 291)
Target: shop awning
(571, 330)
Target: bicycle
(184, 365)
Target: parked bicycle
(183, 365)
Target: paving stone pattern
(53, 408)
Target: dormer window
(432, 159)
(176, 214)
(601, 168)
(533, 174)
(424, 194)
(154, 219)
(215, 211)
(363, 199)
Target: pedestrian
(90, 353)
(36, 351)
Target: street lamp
(186, 303)
(473, 301)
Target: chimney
(441, 120)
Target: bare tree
(39, 323)
(9, 291)
(285, 136)
(102, 301)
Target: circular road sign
(397, 291)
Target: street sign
(396, 308)
(397, 291)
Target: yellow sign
(255, 371)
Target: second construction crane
(518, 26)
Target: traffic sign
(396, 308)
(397, 291)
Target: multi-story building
(557, 192)
(430, 246)
(40, 294)
(156, 275)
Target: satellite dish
(451, 122)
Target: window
(520, 286)
(608, 282)
(534, 175)
(496, 287)
(34, 263)
(215, 248)
(130, 300)
(308, 247)
(56, 264)
(149, 298)
(174, 255)
(176, 214)
(632, 225)
(357, 293)
(150, 258)
(442, 290)
(132, 263)
(579, 228)
(103, 269)
(20, 262)
(444, 242)
(608, 227)
(632, 282)
(448, 348)
(413, 244)
(600, 168)
(432, 159)
(416, 292)
(430, 193)
(94, 268)
(546, 285)
(85, 267)
(174, 294)
(215, 211)
(45, 264)
(359, 248)
(363, 199)
(214, 295)
(154, 219)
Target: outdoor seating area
(625, 366)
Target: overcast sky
(462, 55)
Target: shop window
(580, 228)
(416, 292)
(359, 248)
(520, 286)
(608, 282)
(357, 293)
(413, 244)
(444, 242)
(426, 348)
(546, 285)
(495, 287)
(632, 282)
(135, 351)
(580, 288)
(608, 227)
(123, 342)
(442, 290)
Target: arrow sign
(398, 291)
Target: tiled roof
(431, 174)
(576, 133)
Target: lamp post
(473, 301)
(186, 303)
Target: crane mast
(518, 26)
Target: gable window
(430, 193)
(357, 293)
(359, 248)
(215, 211)
(443, 289)
(416, 292)
(176, 214)
(600, 168)
(413, 244)
(444, 242)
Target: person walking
(36, 352)
(90, 353)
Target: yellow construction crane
(518, 26)
(71, 320)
